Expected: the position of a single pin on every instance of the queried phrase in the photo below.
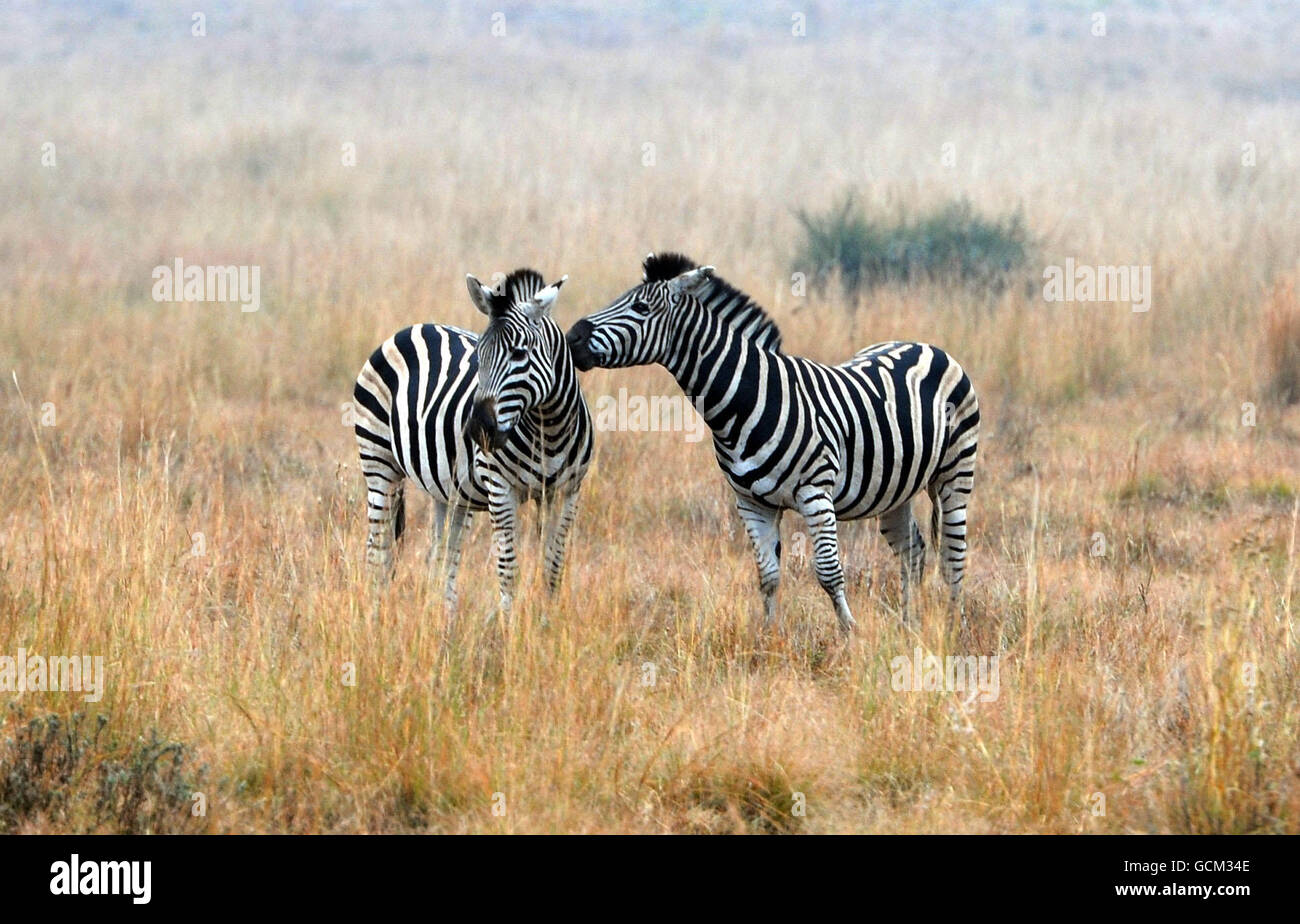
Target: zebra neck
(558, 410)
(711, 361)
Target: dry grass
(1127, 674)
(1282, 341)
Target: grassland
(1161, 674)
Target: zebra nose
(485, 413)
(578, 337)
(482, 425)
(578, 333)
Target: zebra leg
(763, 523)
(948, 530)
(819, 513)
(385, 507)
(951, 488)
(503, 507)
(452, 522)
(436, 529)
(900, 529)
(557, 539)
(904, 536)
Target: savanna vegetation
(181, 493)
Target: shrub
(951, 244)
(54, 770)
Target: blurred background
(578, 136)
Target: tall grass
(193, 511)
(1282, 341)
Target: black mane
(720, 297)
(660, 267)
(517, 288)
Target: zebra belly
(536, 487)
(852, 497)
(857, 506)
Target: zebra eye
(519, 354)
(640, 307)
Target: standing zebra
(860, 439)
(480, 423)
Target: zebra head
(515, 369)
(636, 328)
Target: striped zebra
(860, 439)
(479, 423)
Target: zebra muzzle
(482, 429)
(579, 340)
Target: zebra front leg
(904, 537)
(503, 507)
(557, 540)
(763, 523)
(819, 513)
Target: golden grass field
(1162, 674)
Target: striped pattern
(860, 439)
(479, 423)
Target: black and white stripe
(479, 423)
(860, 439)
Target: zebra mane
(660, 267)
(720, 297)
(517, 288)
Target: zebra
(479, 423)
(860, 439)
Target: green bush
(56, 771)
(951, 244)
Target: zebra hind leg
(950, 490)
(819, 514)
(948, 530)
(904, 536)
(386, 514)
(763, 524)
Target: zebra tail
(399, 516)
(936, 520)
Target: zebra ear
(479, 294)
(690, 281)
(540, 304)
